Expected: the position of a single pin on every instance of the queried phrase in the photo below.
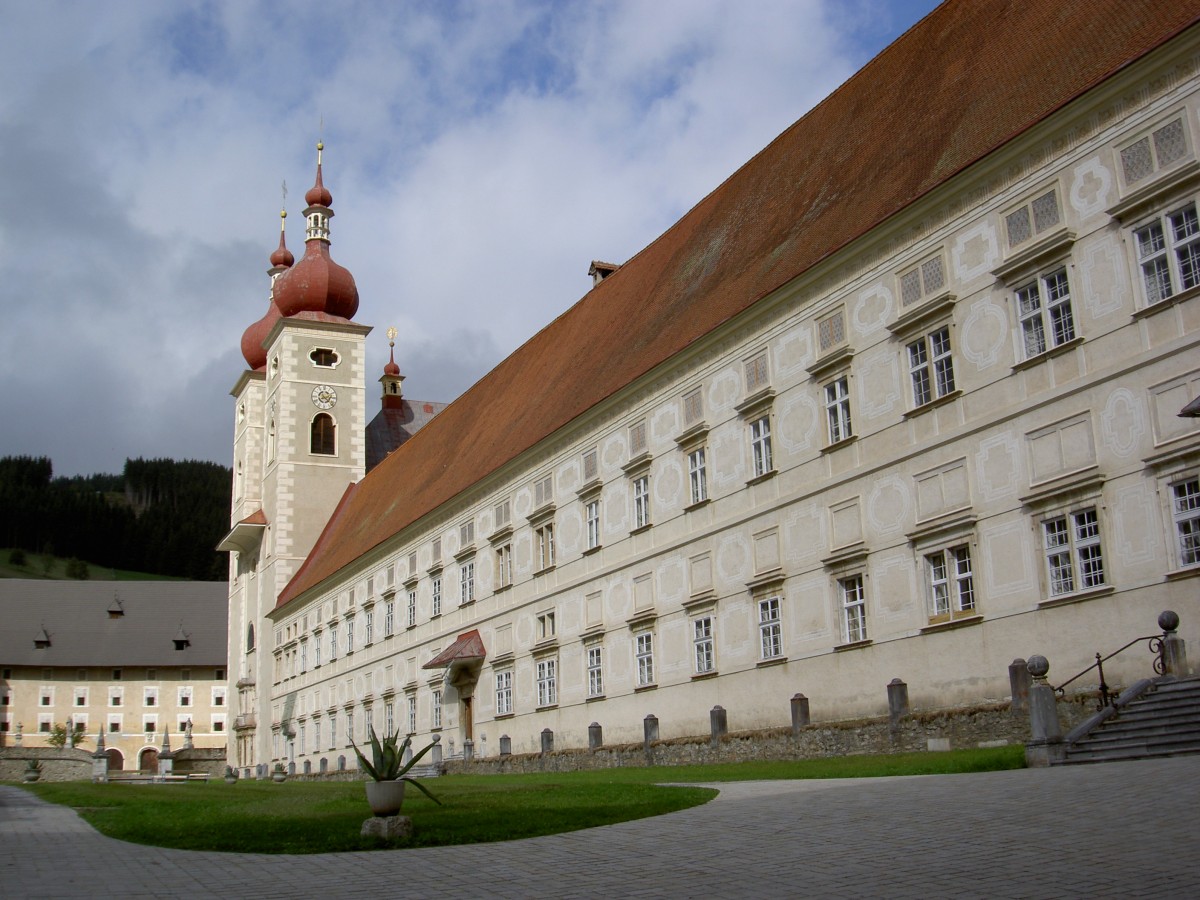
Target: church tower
(299, 441)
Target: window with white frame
(543, 491)
(185, 696)
(547, 682)
(81, 696)
(116, 696)
(950, 583)
(150, 696)
(436, 602)
(412, 608)
(770, 628)
(333, 642)
(1033, 218)
(592, 511)
(1074, 559)
(1163, 146)
(389, 618)
(349, 634)
(760, 445)
(368, 626)
(595, 670)
(1044, 313)
(702, 645)
(218, 696)
(853, 598)
(544, 535)
(317, 735)
(504, 570)
(466, 582)
(436, 550)
(435, 713)
(1185, 512)
(333, 730)
(837, 409)
(546, 628)
(114, 723)
(318, 637)
(304, 656)
(389, 717)
(502, 513)
(644, 654)
(349, 726)
(698, 475)
(641, 502)
(411, 713)
(466, 533)
(149, 724)
(1168, 252)
(931, 367)
(504, 700)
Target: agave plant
(387, 763)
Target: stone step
(1133, 751)
(1135, 742)
(1139, 732)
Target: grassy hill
(38, 565)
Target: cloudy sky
(480, 155)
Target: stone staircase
(428, 770)
(1152, 718)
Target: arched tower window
(250, 637)
(271, 441)
(324, 435)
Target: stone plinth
(388, 827)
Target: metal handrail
(1157, 646)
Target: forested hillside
(160, 516)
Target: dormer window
(181, 640)
(42, 640)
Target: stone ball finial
(1168, 620)
(1038, 666)
(436, 739)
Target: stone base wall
(210, 760)
(979, 726)
(57, 765)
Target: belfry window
(324, 435)
(324, 357)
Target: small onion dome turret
(252, 339)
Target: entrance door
(468, 724)
(148, 760)
(116, 762)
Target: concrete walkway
(1108, 830)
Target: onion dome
(391, 368)
(316, 284)
(282, 257)
(254, 336)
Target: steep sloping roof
(75, 615)
(961, 83)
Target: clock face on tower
(324, 397)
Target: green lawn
(322, 817)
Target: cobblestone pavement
(1111, 830)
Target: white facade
(951, 444)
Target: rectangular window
(591, 467)
(333, 642)
(1044, 311)
(149, 724)
(1032, 218)
(760, 446)
(593, 524)
(922, 281)
(637, 438)
(317, 638)
(115, 697)
(693, 406)
(218, 696)
(349, 726)
(436, 606)
(546, 626)
(333, 730)
(757, 376)
(317, 735)
(1185, 510)
(81, 696)
(466, 534)
(1160, 148)
(304, 656)
(502, 513)
(1169, 253)
(837, 409)
(114, 724)
(831, 330)
(436, 710)
(412, 609)
(185, 696)
(595, 671)
(543, 491)
(854, 609)
(1074, 560)
(644, 652)
(698, 476)
(930, 367)
(349, 635)
(466, 582)
(412, 714)
(547, 682)
(436, 550)
(702, 645)
(368, 627)
(641, 502)
(545, 546)
(389, 717)
(951, 583)
(504, 704)
(770, 629)
(150, 697)
(389, 618)
(504, 574)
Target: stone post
(649, 730)
(718, 724)
(1174, 648)
(100, 760)
(407, 755)
(435, 755)
(20, 730)
(799, 713)
(1045, 747)
(595, 736)
(468, 750)
(547, 740)
(505, 745)
(70, 734)
(897, 692)
(166, 759)
(1019, 682)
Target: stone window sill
(773, 661)
(854, 645)
(1076, 597)
(645, 687)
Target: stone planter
(279, 776)
(31, 775)
(231, 779)
(385, 797)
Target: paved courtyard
(1111, 830)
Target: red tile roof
(969, 77)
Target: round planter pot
(279, 777)
(385, 797)
(30, 777)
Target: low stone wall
(57, 765)
(979, 726)
(199, 761)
